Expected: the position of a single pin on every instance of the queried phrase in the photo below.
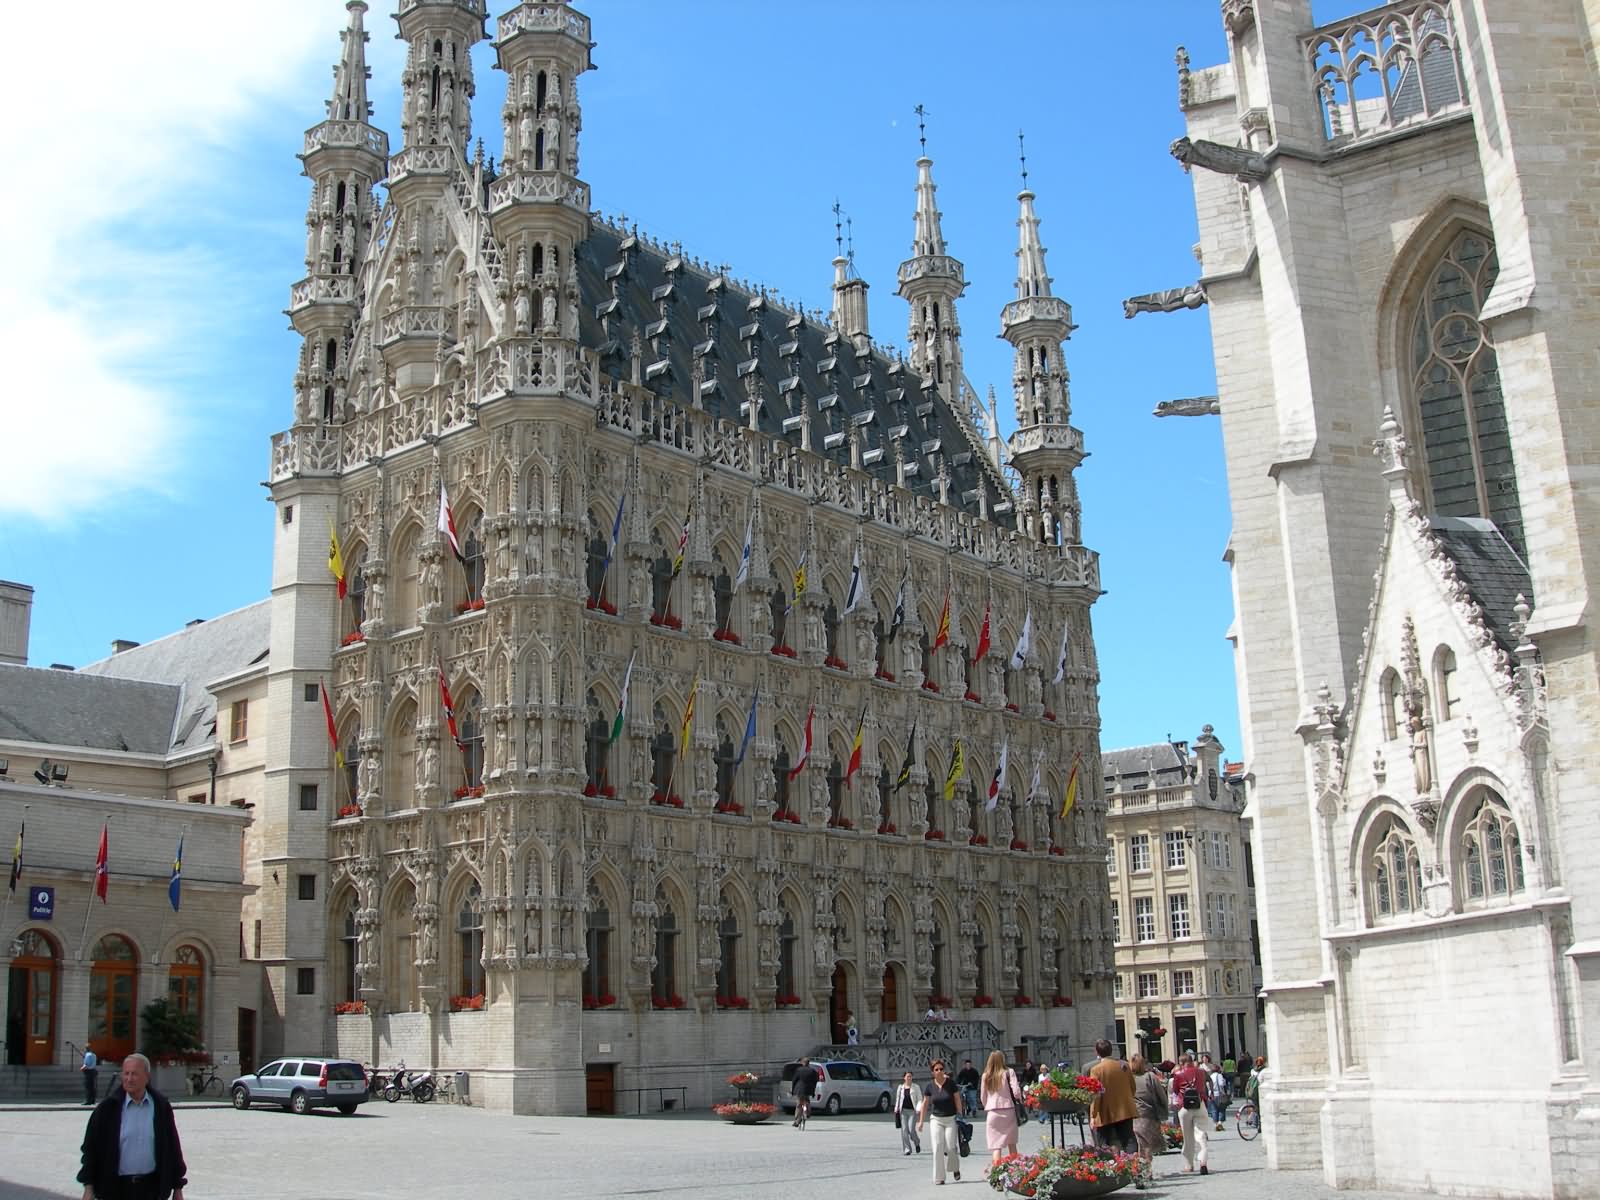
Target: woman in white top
(907, 1103)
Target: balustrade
(1389, 68)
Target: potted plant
(1172, 1134)
(1066, 1173)
(1062, 1092)
(743, 1112)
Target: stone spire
(931, 282)
(929, 239)
(437, 85)
(1045, 449)
(350, 74)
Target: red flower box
(978, 839)
(675, 801)
(667, 622)
(467, 606)
(609, 792)
(1061, 1002)
(666, 1002)
(984, 1001)
(352, 638)
(841, 823)
(1012, 708)
(1048, 715)
(886, 676)
(887, 827)
(929, 685)
(350, 810)
(789, 1001)
(601, 605)
(788, 815)
(1022, 1001)
(732, 808)
(786, 651)
(348, 1007)
(838, 664)
(732, 1002)
(1018, 844)
(469, 793)
(1058, 851)
(974, 697)
(934, 835)
(727, 635)
(590, 789)
(466, 1003)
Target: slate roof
(1493, 572)
(682, 317)
(1136, 762)
(189, 660)
(65, 708)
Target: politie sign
(41, 903)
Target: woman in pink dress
(999, 1093)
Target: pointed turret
(849, 314)
(931, 282)
(344, 158)
(1045, 449)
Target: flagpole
(22, 833)
(88, 904)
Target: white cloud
(105, 292)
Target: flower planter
(1071, 1107)
(746, 1118)
(1070, 1189)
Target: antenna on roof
(1022, 153)
(922, 128)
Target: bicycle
(206, 1082)
(1248, 1120)
(446, 1090)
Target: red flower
(974, 697)
(934, 835)
(351, 639)
(1012, 708)
(727, 635)
(1048, 715)
(1018, 844)
(887, 827)
(978, 839)
(837, 663)
(1057, 850)
(886, 676)
(929, 685)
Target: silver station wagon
(302, 1084)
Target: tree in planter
(169, 1034)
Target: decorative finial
(922, 128)
(850, 240)
(1022, 153)
(1182, 60)
(838, 229)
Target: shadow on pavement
(17, 1191)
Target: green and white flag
(622, 704)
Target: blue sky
(152, 259)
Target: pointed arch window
(788, 941)
(663, 754)
(780, 785)
(1395, 875)
(835, 777)
(349, 943)
(408, 561)
(925, 649)
(469, 942)
(597, 945)
(881, 654)
(1392, 693)
(1020, 949)
(472, 560)
(980, 958)
(1444, 684)
(595, 565)
(728, 935)
(356, 614)
(661, 580)
(936, 955)
(932, 795)
(1491, 852)
(726, 771)
(722, 597)
(1455, 387)
(664, 973)
(830, 633)
(885, 800)
(470, 727)
(596, 746)
(778, 603)
(350, 747)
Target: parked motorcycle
(418, 1085)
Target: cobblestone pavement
(440, 1152)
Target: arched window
(469, 724)
(663, 755)
(349, 945)
(932, 793)
(881, 654)
(1444, 684)
(186, 983)
(780, 785)
(835, 790)
(936, 948)
(472, 559)
(980, 956)
(885, 799)
(830, 633)
(1491, 852)
(778, 603)
(1395, 874)
(400, 959)
(1455, 385)
(596, 746)
(661, 580)
(1020, 948)
(726, 770)
(722, 597)
(407, 576)
(1392, 697)
(664, 974)
(728, 941)
(788, 940)
(400, 773)
(596, 567)
(113, 996)
(597, 945)
(350, 749)
(969, 671)
(469, 941)
(356, 590)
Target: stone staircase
(45, 1085)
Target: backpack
(1191, 1095)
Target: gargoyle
(1225, 160)
(1190, 406)
(1170, 300)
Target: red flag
(447, 524)
(333, 733)
(983, 637)
(449, 708)
(102, 867)
(942, 634)
(855, 749)
(805, 751)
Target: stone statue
(1421, 765)
(523, 313)
(420, 765)
(1170, 300)
(550, 310)
(368, 773)
(1225, 160)
(552, 145)
(431, 583)
(525, 136)
(447, 100)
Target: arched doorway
(31, 1002)
(839, 1005)
(186, 985)
(889, 1006)
(113, 998)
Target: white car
(841, 1084)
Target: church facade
(1396, 245)
(695, 684)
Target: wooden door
(840, 1006)
(889, 1006)
(247, 1041)
(600, 1087)
(32, 1000)
(113, 999)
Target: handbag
(1019, 1109)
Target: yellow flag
(958, 767)
(336, 558)
(688, 716)
(800, 579)
(1072, 785)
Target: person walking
(1112, 1110)
(1189, 1084)
(131, 1149)
(1150, 1102)
(999, 1093)
(941, 1104)
(1219, 1096)
(907, 1102)
(804, 1087)
(967, 1080)
(91, 1075)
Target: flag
(1061, 655)
(983, 637)
(336, 560)
(742, 575)
(616, 532)
(333, 733)
(1024, 643)
(997, 782)
(858, 584)
(447, 524)
(899, 617)
(1072, 785)
(749, 730)
(805, 750)
(16, 857)
(854, 764)
(449, 709)
(622, 704)
(683, 543)
(904, 777)
(958, 767)
(688, 716)
(175, 884)
(942, 633)
(1033, 784)
(102, 864)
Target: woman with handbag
(1003, 1106)
(907, 1102)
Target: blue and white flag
(175, 884)
(1061, 654)
(616, 532)
(742, 575)
(749, 730)
(858, 584)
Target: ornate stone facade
(664, 480)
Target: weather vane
(838, 228)
(1022, 152)
(922, 128)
